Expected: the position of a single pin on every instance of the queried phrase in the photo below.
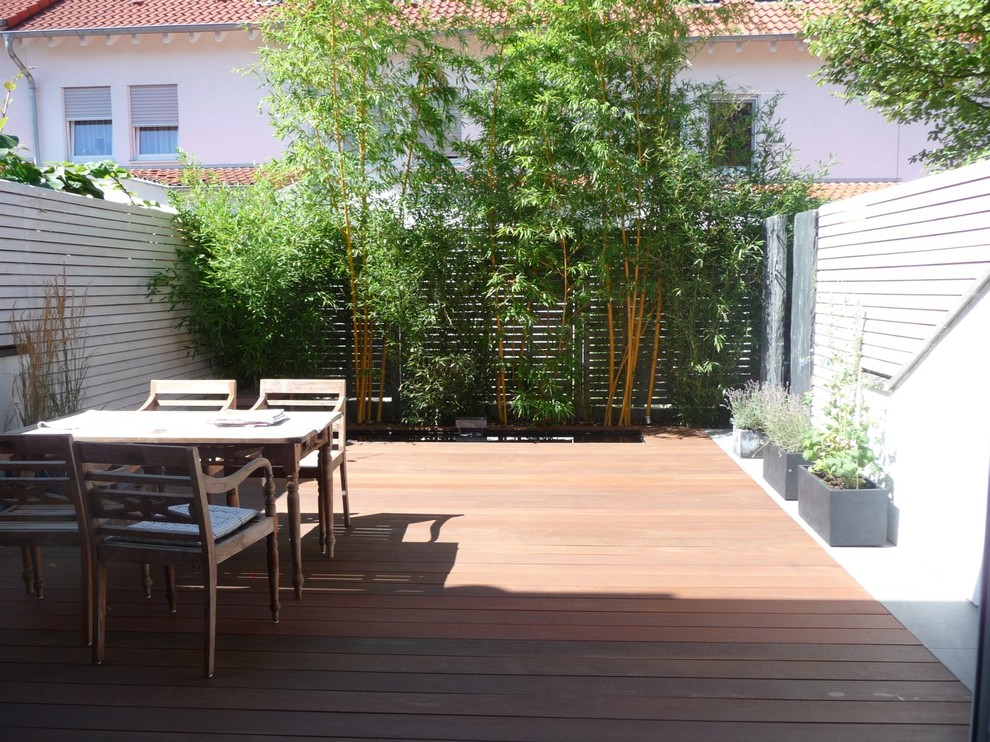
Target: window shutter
(87, 104)
(154, 105)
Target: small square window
(90, 139)
(157, 141)
(731, 132)
(89, 123)
(155, 121)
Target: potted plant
(747, 409)
(788, 424)
(837, 494)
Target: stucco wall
(219, 118)
(860, 143)
(936, 429)
(220, 124)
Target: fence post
(774, 345)
(803, 301)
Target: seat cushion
(223, 522)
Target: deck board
(510, 591)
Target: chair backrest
(192, 394)
(145, 493)
(308, 394)
(38, 482)
(303, 394)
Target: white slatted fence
(108, 252)
(898, 263)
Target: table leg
(326, 502)
(321, 497)
(295, 531)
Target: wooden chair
(206, 395)
(38, 492)
(316, 394)
(148, 504)
(191, 394)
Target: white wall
(819, 125)
(911, 264)
(219, 118)
(220, 123)
(936, 426)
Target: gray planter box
(748, 444)
(843, 517)
(780, 470)
(471, 427)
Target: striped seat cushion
(223, 521)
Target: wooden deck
(504, 591)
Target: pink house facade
(134, 82)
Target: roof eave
(134, 30)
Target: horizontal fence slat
(895, 264)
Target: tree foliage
(255, 279)
(583, 234)
(915, 61)
(360, 89)
(609, 222)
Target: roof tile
(836, 191)
(85, 14)
(172, 176)
(13, 12)
(776, 17)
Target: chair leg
(27, 572)
(99, 611)
(324, 505)
(210, 618)
(345, 502)
(170, 587)
(272, 542)
(86, 585)
(36, 566)
(273, 576)
(146, 581)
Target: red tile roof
(15, 11)
(774, 18)
(77, 14)
(172, 176)
(778, 18)
(840, 190)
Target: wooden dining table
(284, 442)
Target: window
(731, 132)
(90, 126)
(155, 121)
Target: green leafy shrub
(585, 252)
(254, 279)
(840, 446)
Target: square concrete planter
(780, 470)
(471, 428)
(843, 517)
(748, 444)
